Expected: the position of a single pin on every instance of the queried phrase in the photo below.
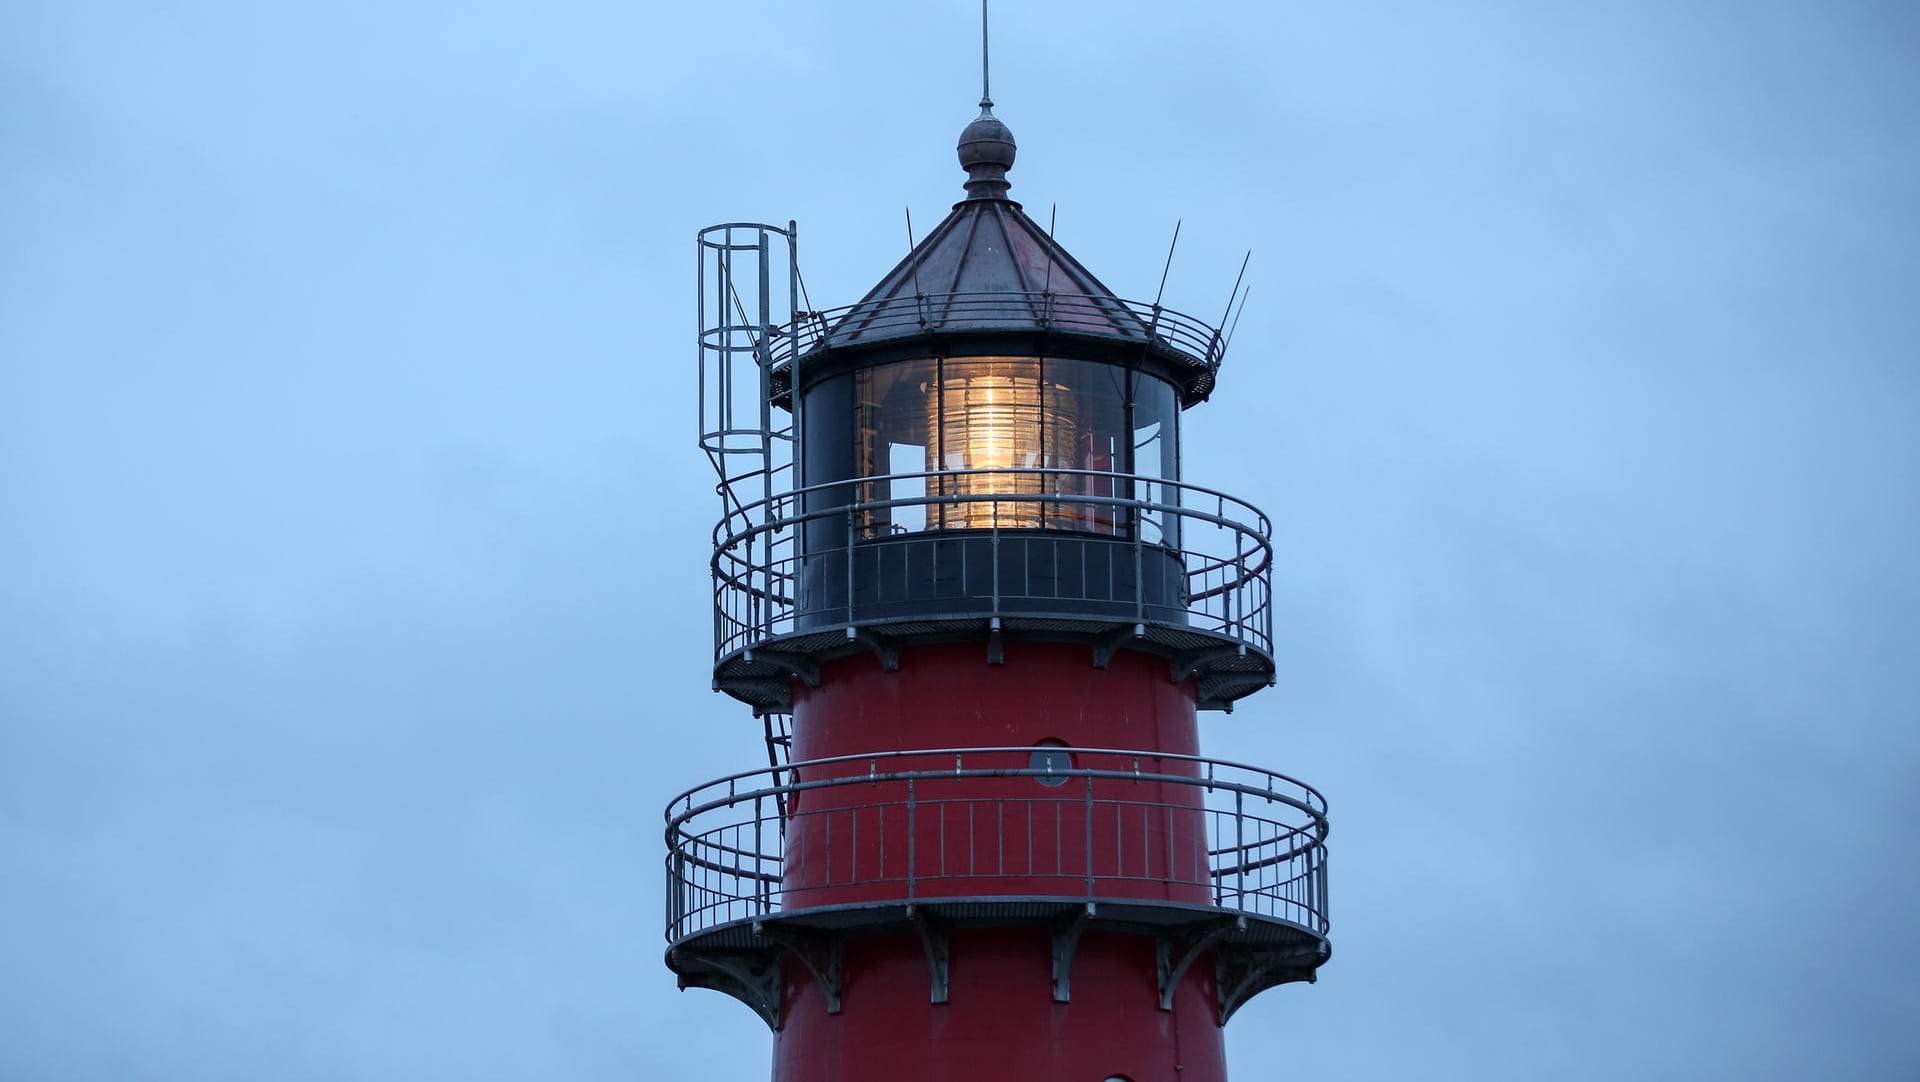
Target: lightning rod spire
(986, 146)
(986, 97)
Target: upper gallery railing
(1164, 551)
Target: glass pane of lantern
(1155, 457)
(993, 416)
(1094, 394)
(894, 437)
(908, 459)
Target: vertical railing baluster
(972, 809)
(1245, 594)
(1089, 818)
(993, 545)
(799, 831)
(1029, 804)
(1207, 820)
(759, 869)
(1059, 861)
(676, 891)
(1170, 871)
(1146, 840)
(1139, 581)
(1239, 846)
(1321, 869)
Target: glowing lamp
(996, 421)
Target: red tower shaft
(1015, 837)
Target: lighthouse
(961, 581)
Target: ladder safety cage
(749, 289)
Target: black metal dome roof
(990, 279)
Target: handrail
(747, 512)
(949, 500)
(1313, 801)
(888, 317)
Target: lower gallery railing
(984, 823)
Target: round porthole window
(1051, 756)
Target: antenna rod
(915, 255)
(1236, 322)
(1169, 266)
(1053, 216)
(1236, 287)
(986, 98)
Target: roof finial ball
(986, 153)
(986, 146)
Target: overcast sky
(353, 624)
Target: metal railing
(979, 823)
(1216, 549)
(1106, 317)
